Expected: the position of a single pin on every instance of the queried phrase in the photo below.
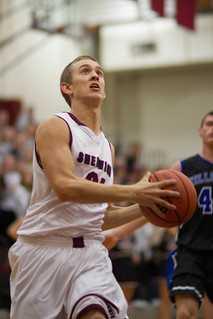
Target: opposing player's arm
(176, 166)
(116, 216)
(13, 227)
(114, 235)
(52, 143)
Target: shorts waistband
(75, 242)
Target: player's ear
(200, 131)
(66, 88)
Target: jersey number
(205, 200)
(94, 178)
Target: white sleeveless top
(47, 215)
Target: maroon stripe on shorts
(111, 307)
(78, 242)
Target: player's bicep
(52, 144)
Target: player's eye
(99, 73)
(209, 123)
(85, 71)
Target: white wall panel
(155, 43)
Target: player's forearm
(122, 215)
(114, 235)
(129, 228)
(83, 191)
(74, 189)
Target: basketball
(186, 204)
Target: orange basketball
(186, 204)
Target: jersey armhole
(38, 157)
(182, 167)
(71, 138)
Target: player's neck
(90, 117)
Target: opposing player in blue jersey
(193, 273)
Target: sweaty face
(87, 81)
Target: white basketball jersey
(47, 215)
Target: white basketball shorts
(51, 279)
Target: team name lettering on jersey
(94, 161)
(205, 177)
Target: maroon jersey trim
(71, 139)
(75, 119)
(38, 158)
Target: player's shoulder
(192, 159)
(52, 125)
(176, 166)
(52, 120)
(193, 165)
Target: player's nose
(94, 75)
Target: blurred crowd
(16, 148)
(139, 260)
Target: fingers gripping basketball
(186, 204)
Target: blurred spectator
(4, 118)
(120, 170)
(25, 117)
(10, 174)
(134, 174)
(6, 141)
(142, 258)
(163, 243)
(28, 155)
(123, 266)
(30, 130)
(133, 158)
(15, 196)
(19, 144)
(27, 179)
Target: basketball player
(193, 273)
(60, 268)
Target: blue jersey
(197, 232)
